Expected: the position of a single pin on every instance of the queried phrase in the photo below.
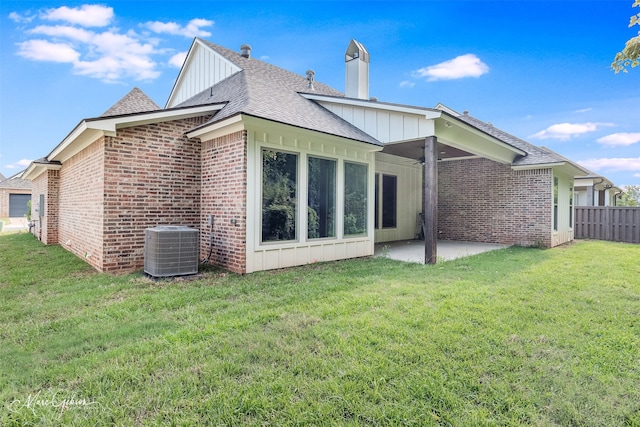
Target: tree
(630, 197)
(630, 55)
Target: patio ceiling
(415, 150)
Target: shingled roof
(136, 101)
(265, 91)
(16, 182)
(535, 155)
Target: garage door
(18, 205)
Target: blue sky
(537, 69)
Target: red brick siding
(152, 177)
(224, 195)
(80, 204)
(46, 228)
(483, 201)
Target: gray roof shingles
(535, 155)
(272, 93)
(136, 101)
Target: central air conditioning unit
(170, 251)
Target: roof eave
(569, 167)
(35, 169)
(90, 130)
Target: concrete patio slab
(413, 250)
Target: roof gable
(203, 67)
(136, 101)
(268, 92)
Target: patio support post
(430, 198)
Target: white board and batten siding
(273, 255)
(565, 231)
(386, 126)
(204, 69)
(408, 196)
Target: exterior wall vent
(170, 251)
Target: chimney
(357, 70)
(245, 50)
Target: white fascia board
(121, 122)
(34, 170)
(90, 130)
(428, 113)
(538, 166)
(211, 131)
(567, 167)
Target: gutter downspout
(593, 189)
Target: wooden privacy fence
(618, 224)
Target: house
(277, 169)
(15, 194)
(595, 190)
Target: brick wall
(483, 201)
(224, 195)
(152, 177)
(80, 204)
(47, 184)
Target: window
(555, 203)
(322, 198)
(389, 201)
(570, 206)
(376, 195)
(355, 198)
(279, 195)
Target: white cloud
(87, 15)
(21, 19)
(566, 131)
(468, 65)
(584, 110)
(43, 50)
(20, 164)
(636, 175)
(406, 83)
(620, 139)
(64, 31)
(612, 164)
(110, 55)
(192, 29)
(178, 59)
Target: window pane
(571, 206)
(322, 198)
(355, 198)
(389, 200)
(555, 203)
(376, 196)
(279, 195)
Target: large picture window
(322, 198)
(355, 198)
(279, 195)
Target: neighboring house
(276, 170)
(595, 190)
(15, 193)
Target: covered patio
(413, 250)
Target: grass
(511, 337)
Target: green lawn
(511, 337)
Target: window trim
(298, 155)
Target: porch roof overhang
(90, 130)
(456, 138)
